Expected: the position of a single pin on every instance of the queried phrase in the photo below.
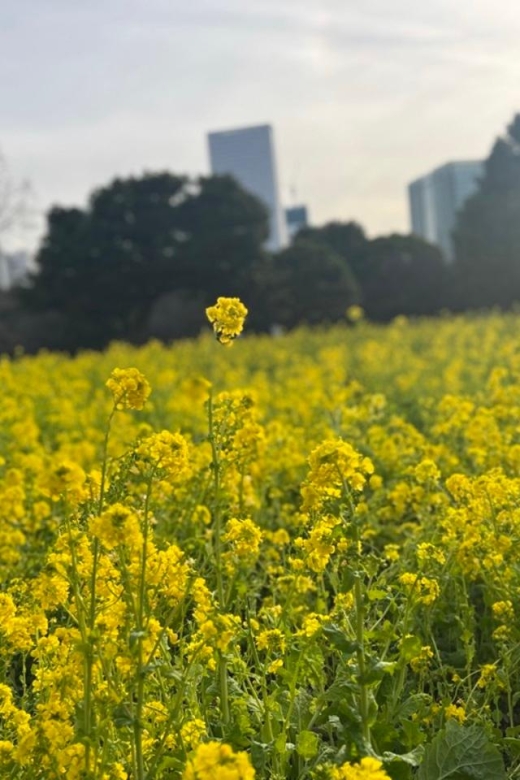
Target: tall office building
(295, 219)
(436, 198)
(248, 155)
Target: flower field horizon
(282, 558)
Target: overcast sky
(363, 95)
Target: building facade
(296, 218)
(435, 200)
(248, 155)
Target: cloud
(364, 95)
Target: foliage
(397, 274)
(147, 249)
(404, 275)
(487, 233)
(104, 267)
(306, 283)
(225, 228)
(346, 239)
(294, 554)
(462, 753)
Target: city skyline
(435, 198)
(363, 96)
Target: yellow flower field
(292, 557)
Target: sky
(364, 95)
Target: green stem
(224, 696)
(360, 640)
(172, 717)
(92, 609)
(140, 673)
(215, 462)
(396, 693)
(359, 603)
(287, 720)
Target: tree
(404, 275)
(395, 274)
(139, 238)
(225, 228)
(307, 283)
(346, 239)
(487, 232)
(103, 267)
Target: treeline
(148, 254)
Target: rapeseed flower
(334, 466)
(367, 769)
(167, 452)
(164, 584)
(244, 536)
(355, 313)
(216, 761)
(227, 317)
(129, 388)
(118, 525)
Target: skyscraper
(436, 198)
(295, 219)
(247, 154)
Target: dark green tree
(103, 268)
(306, 283)
(404, 275)
(487, 232)
(224, 228)
(346, 239)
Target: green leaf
(281, 746)
(413, 758)
(461, 753)
(122, 716)
(513, 745)
(336, 636)
(410, 647)
(414, 703)
(307, 744)
(374, 594)
(170, 763)
(377, 670)
(348, 578)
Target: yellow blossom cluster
(129, 388)
(244, 536)
(367, 769)
(335, 467)
(214, 761)
(227, 317)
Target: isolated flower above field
(355, 313)
(227, 317)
